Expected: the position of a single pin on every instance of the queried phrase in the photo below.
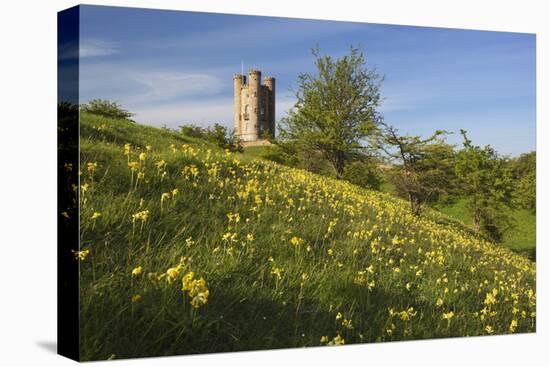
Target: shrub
(217, 134)
(364, 173)
(106, 108)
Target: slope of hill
(193, 249)
(520, 238)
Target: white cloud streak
(97, 47)
(203, 112)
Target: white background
(28, 182)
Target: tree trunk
(477, 220)
(338, 163)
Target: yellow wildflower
(173, 273)
(337, 340)
(186, 281)
(277, 272)
(81, 255)
(296, 241)
(160, 164)
(133, 165)
(447, 315)
(513, 326)
(141, 216)
(92, 166)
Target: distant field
(520, 238)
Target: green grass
(521, 238)
(257, 151)
(304, 251)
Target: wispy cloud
(251, 34)
(163, 84)
(131, 84)
(87, 48)
(97, 47)
(202, 112)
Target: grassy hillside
(193, 249)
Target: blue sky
(171, 67)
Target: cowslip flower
(141, 216)
(172, 273)
(337, 340)
(92, 166)
(134, 165)
(164, 197)
(296, 241)
(513, 326)
(277, 272)
(160, 164)
(81, 255)
(196, 289)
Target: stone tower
(254, 106)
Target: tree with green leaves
(336, 109)
(424, 169)
(105, 108)
(524, 173)
(485, 180)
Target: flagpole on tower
(242, 70)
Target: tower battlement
(254, 106)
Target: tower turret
(237, 88)
(254, 91)
(269, 83)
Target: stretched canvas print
(233, 183)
